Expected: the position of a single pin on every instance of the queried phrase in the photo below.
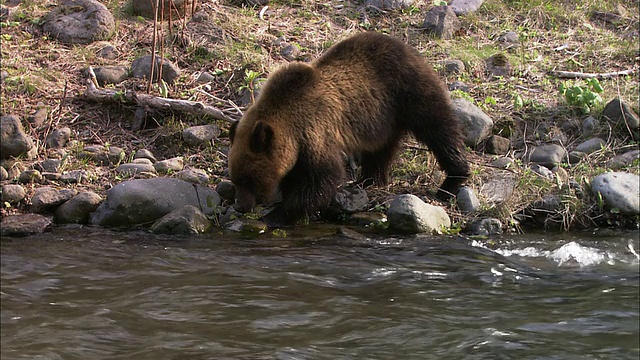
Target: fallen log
(581, 75)
(94, 93)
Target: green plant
(584, 97)
(249, 84)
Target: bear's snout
(245, 202)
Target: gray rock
(591, 145)
(79, 22)
(498, 189)
(147, 8)
(39, 117)
(476, 125)
(47, 199)
(51, 176)
(290, 51)
(144, 161)
(508, 37)
(144, 153)
(24, 225)
(368, 219)
(143, 201)
(169, 165)
(459, 85)
(546, 210)
(75, 177)
(111, 74)
(485, 227)
(408, 214)
(14, 142)
(454, 66)
(619, 190)
(623, 160)
(58, 138)
(548, 155)
(389, 4)
(131, 169)
(503, 163)
(196, 176)
(441, 21)
(30, 176)
(49, 165)
(576, 156)
(206, 77)
(498, 145)
(141, 68)
(543, 171)
(498, 65)
(103, 155)
(350, 200)
(467, 200)
(464, 7)
(12, 194)
(197, 135)
(186, 220)
(247, 227)
(622, 115)
(4, 175)
(109, 52)
(590, 125)
(78, 208)
(227, 190)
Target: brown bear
(358, 99)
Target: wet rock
(24, 225)
(47, 199)
(79, 22)
(169, 165)
(30, 176)
(141, 68)
(498, 66)
(591, 145)
(623, 160)
(227, 190)
(58, 138)
(146, 154)
(196, 176)
(197, 135)
(12, 194)
(186, 220)
(131, 169)
(147, 8)
(143, 201)
(408, 214)
(476, 125)
(39, 117)
(622, 116)
(619, 190)
(508, 37)
(75, 177)
(247, 227)
(389, 4)
(349, 200)
(14, 142)
(548, 155)
(498, 145)
(467, 200)
(77, 209)
(454, 67)
(111, 74)
(590, 125)
(464, 7)
(368, 219)
(441, 21)
(485, 227)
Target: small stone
(109, 52)
(78, 208)
(75, 177)
(623, 160)
(508, 37)
(467, 200)
(227, 190)
(485, 227)
(111, 74)
(542, 171)
(4, 175)
(131, 169)
(454, 66)
(464, 7)
(503, 163)
(24, 225)
(39, 117)
(58, 138)
(141, 68)
(170, 165)
(144, 153)
(196, 176)
(47, 198)
(79, 22)
(350, 200)
(408, 214)
(30, 176)
(186, 220)
(49, 165)
(591, 145)
(498, 65)
(589, 125)
(619, 190)
(12, 194)
(459, 85)
(441, 22)
(548, 155)
(197, 135)
(498, 145)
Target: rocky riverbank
(165, 170)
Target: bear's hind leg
(376, 165)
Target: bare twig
(156, 102)
(581, 75)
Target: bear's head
(259, 158)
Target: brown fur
(360, 98)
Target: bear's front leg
(307, 188)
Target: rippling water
(94, 294)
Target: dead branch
(581, 75)
(93, 93)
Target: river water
(83, 293)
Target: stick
(130, 97)
(581, 75)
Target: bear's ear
(232, 131)
(261, 138)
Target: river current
(82, 293)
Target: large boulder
(24, 225)
(408, 214)
(13, 141)
(79, 22)
(476, 125)
(619, 190)
(143, 201)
